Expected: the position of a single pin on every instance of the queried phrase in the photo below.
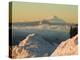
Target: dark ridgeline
(73, 30)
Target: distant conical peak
(56, 19)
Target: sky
(27, 12)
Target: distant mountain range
(54, 21)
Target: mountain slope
(35, 47)
(68, 47)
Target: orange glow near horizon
(26, 12)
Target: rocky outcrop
(18, 52)
(68, 47)
(25, 41)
